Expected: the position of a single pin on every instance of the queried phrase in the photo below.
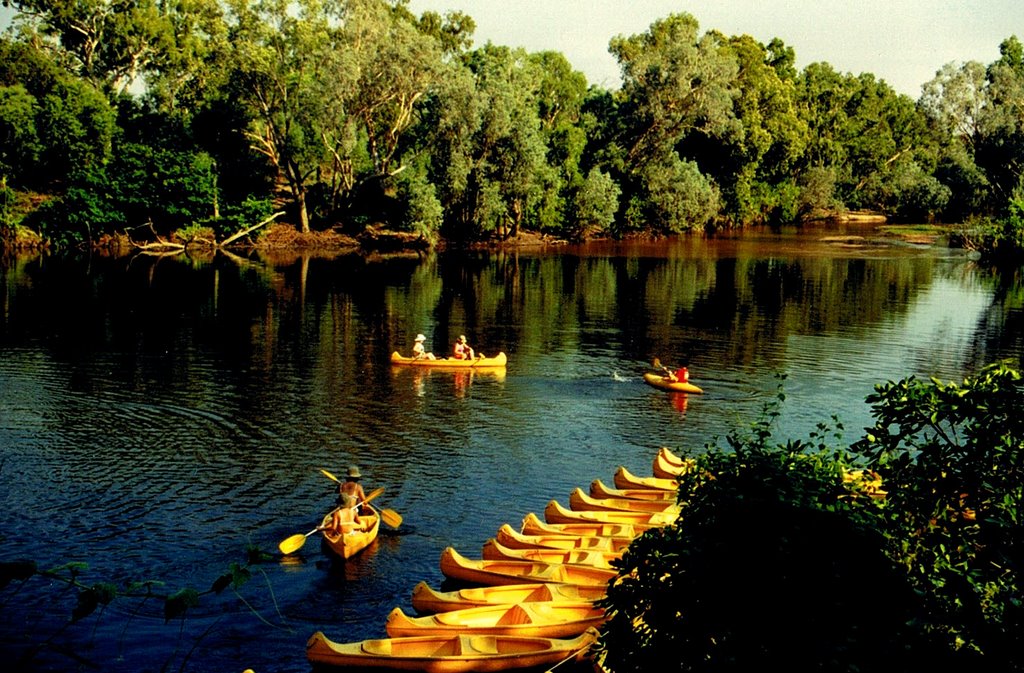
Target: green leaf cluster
(348, 113)
(902, 551)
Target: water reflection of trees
(352, 310)
(672, 304)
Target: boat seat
(541, 593)
(386, 647)
(481, 644)
(559, 574)
(515, 615)
(377, 646)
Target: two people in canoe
(460, 351)
(350, 503)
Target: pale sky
(903, 42)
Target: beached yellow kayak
(479, 571)
(427, 600)
(544, 620)
(458, 653)
(509, 537)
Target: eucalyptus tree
(396, 65)
(952, 102)
(283, 53)
(55, 125)
(496, 147)
(332, 86)
(891, 154)
(822, 96)
(756, 163)
(675, 84)
(110, 43)
(190, 68)
(863, 134)
(1001, 150)
(560, 95)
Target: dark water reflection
(158, 415)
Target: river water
(161, 416)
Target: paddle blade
(656, 363)
(374, 493)
(292, 544)
(391, 517)
(329, 475)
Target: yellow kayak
(532, 525)
(510, 538)
(665, 383)
(598, 489)
(479, 571)
(427, 600)
(626, 479)
(544, 620)
(495, 551)
(555, 512)
(581, 502)
(498, 360)
(449, 653)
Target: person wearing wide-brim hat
(419, 351)
(351, 487)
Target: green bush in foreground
(787, 557)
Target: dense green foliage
(790, 556)
(352, 112)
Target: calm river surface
(159, 416)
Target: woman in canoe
(352, 488)
(419, 351)
(462, 350)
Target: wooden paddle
(657, 365)
(292, 544)
(388, 516)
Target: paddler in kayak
(681, 374)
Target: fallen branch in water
(244, 232)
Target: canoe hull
(348, 545)
(426, 600)
(532, 525)
(626, 479)
(536, 620)
(557, 513)
(598, 489)
(582, 502)
(665, 383)
(508, 537)
(495, 551)
(490, 573)
(499, 360)
(448, 654)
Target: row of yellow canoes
(532, 599)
